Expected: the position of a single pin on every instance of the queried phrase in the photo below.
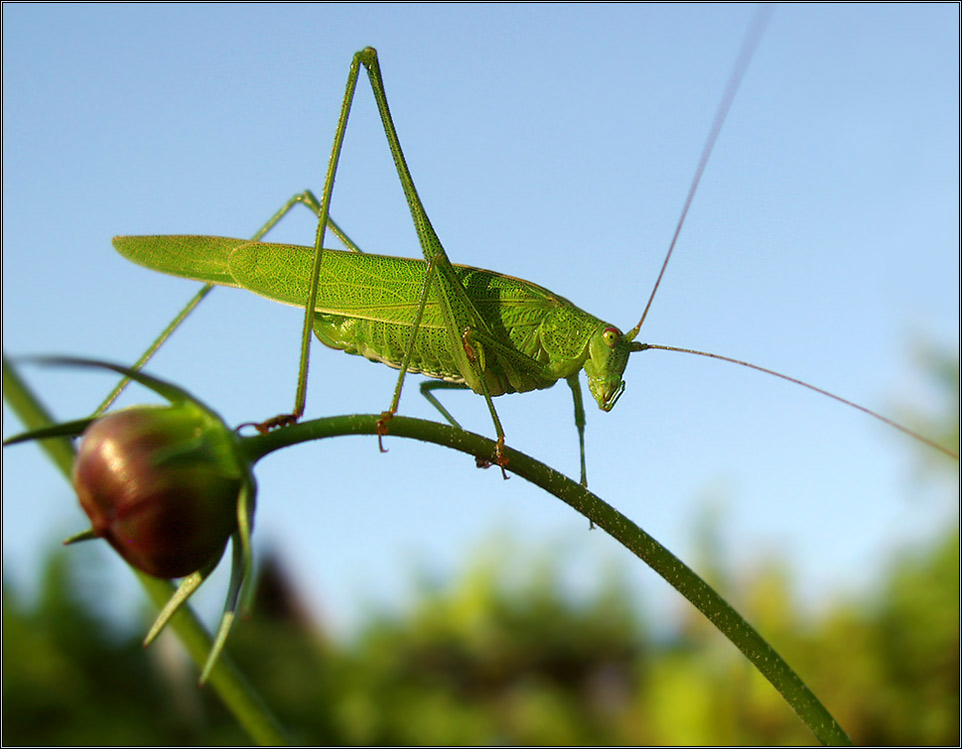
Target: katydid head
(608, 350)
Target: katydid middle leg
(428, 386)
(426, 390)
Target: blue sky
(553, 143)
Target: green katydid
(470, 327)
(490, 332)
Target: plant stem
(731, 624)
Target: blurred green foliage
(486, 659)
(482, 661)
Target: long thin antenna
(755, 31)
(840, 399)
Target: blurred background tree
(486, 659)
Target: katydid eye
(610, 336)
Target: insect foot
(484, 463)
(500, 458)
(278, 422)
(386, 416)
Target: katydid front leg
(323, 217)
(575, 384)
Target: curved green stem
(673, 570)
(257, 720)
(238, 695)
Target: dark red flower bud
(160, 484)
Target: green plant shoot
(465, 326)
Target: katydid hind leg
(431, 246)
(429, 242)
(322, 210)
